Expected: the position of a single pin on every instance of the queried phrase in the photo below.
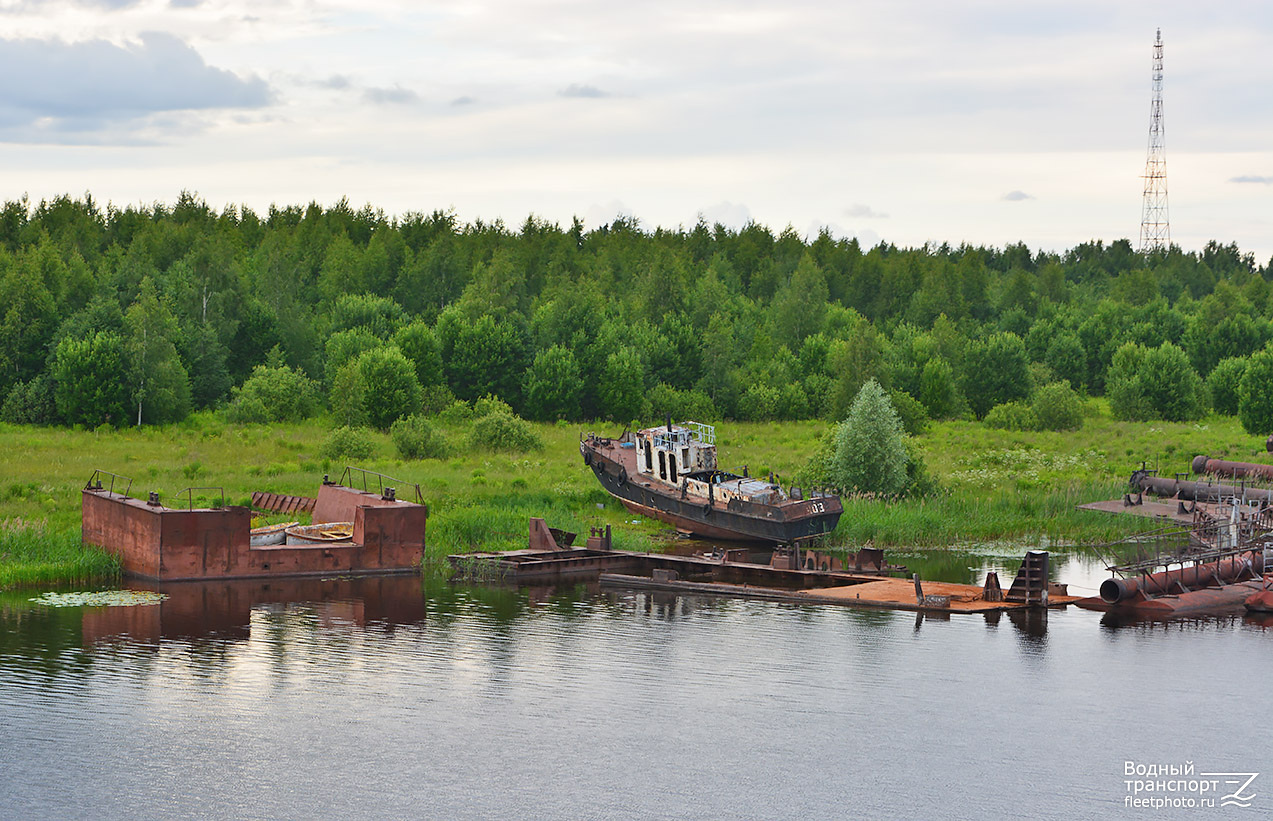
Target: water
(397, 698)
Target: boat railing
(349, 480)
(683, 435)
(95, 482)
(669, 439)
(704, 433)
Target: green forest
(143, 314)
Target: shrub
(501, 431)
(1058, 407)
(1012, 416)
(1224, 382)
(1154, 383)
(488, 404)
(348, 443)
(30, 403)
(248, 410)
(759, 403)
(274, 393)
(434, 399)
(348, 392)
(391, 387)
(912, 413)
(415, 438)
(458, 411)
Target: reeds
(32, 555)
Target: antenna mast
(1155, 229)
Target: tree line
(141, 314)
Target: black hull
(739, 521)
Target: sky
(907, 121)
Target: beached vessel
(669, 473)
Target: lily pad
(101, 598)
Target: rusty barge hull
(792, 521)
(160, 543)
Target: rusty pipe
(1237, 470)
(1196, 491)
(1234, 569)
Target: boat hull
(792, 521)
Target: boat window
(671, 465)
(662, 465)
(649, 465)
(685, 458)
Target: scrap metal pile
(1214, 558)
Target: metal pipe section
(1197, 491)
(1236, 470)
(1234, 569)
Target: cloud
(583, 91)
(85, 86)
(393, 96)
(1252, 178)
(465, 100)
(728, 214)
(336, 82)
(1016, 196)
(859, 211)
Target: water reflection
(207, 615)
(198, 611)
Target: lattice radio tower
(1155, 229)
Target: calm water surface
(397, 698)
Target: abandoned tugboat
(670, 474)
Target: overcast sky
(911, 121)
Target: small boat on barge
(669, 473)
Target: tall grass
(503, 524)
(966, 517)
(33, 555)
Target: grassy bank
(997, 485)
(33, 555)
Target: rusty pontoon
(154, 541)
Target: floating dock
(888, 594)
(790, 576)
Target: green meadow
(995, 485)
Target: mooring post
(919, 591)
